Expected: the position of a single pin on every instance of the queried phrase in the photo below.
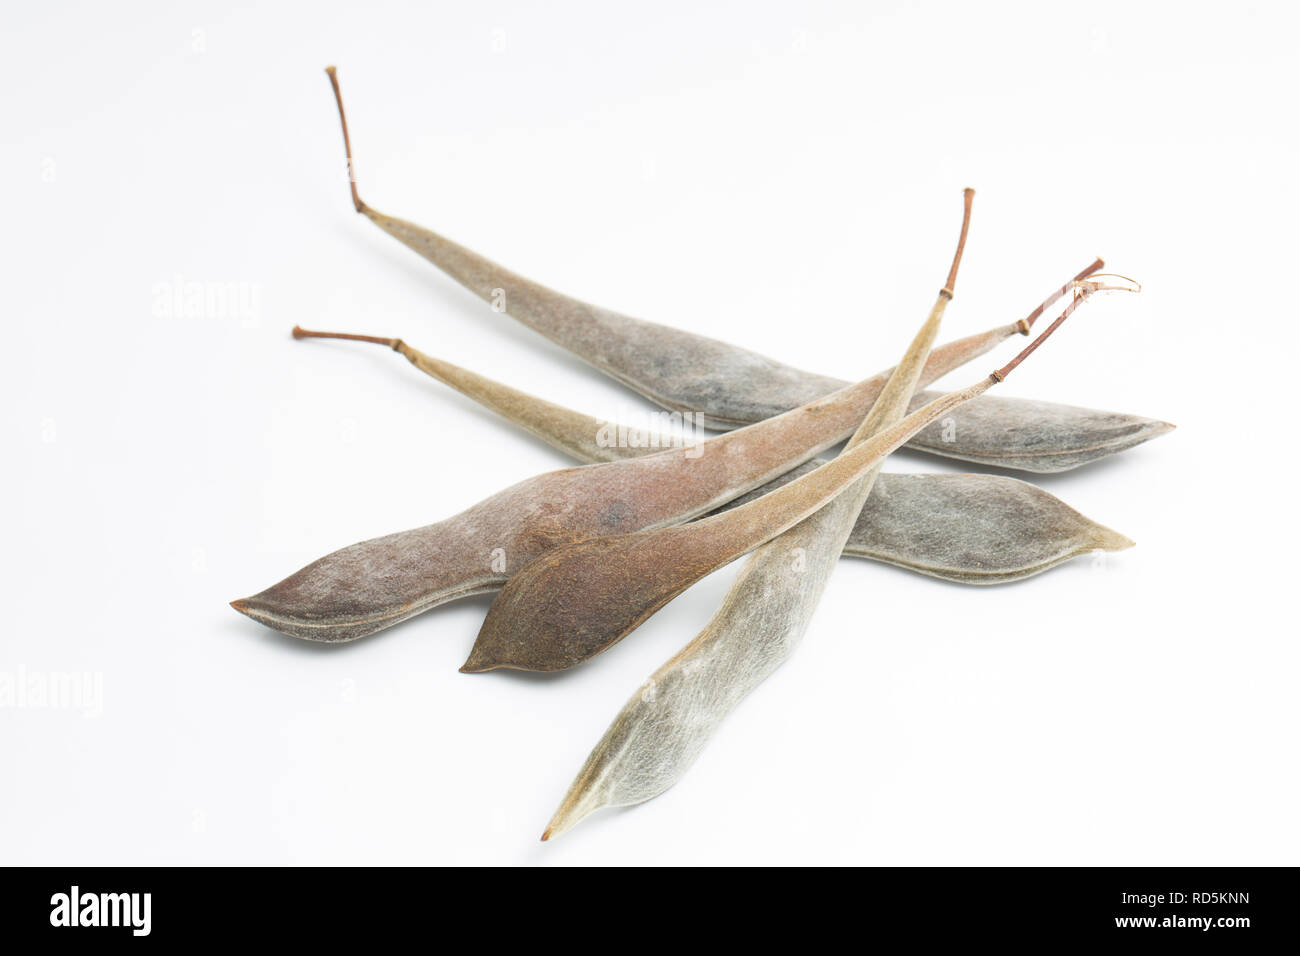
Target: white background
(784, 176)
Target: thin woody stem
(1079, 298)
(968, 195)
(347, 141)
(396, 345)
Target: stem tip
(968, 197)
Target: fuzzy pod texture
(668, 721)
(962, 528)
(973, 529)
(965, 528)
(374, 584)
(665, 725)
(729, 386)
(933, 524)
(578, 600)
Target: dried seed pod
(729, 386)
(945, 517)
(663, 727)
(374, 584)
(576, 601)
(1034, 436)
(974, 529)
(966, 529)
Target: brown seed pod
(661, 730)
(729, 386)
(577, 600)
(962, 528)
(665, 725)
(377, 583)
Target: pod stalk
(333, 73)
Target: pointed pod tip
(1153, 428)
(331, 70)
(577, 806)
(485, 655)
(257, 608)
(561, 822)
(1107, 539)
(475, 664)
(484, 659)
(252, 608)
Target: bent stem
(347, 140)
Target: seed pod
(965, 529)
(578, 600)
(973, 529)
(664, 726)
(372, 585)
(728, 386)
(1029, 435)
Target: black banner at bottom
(334, 907)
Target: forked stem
(1028, 321)
(1000, 375)
(1082, 291)
(347, 141)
